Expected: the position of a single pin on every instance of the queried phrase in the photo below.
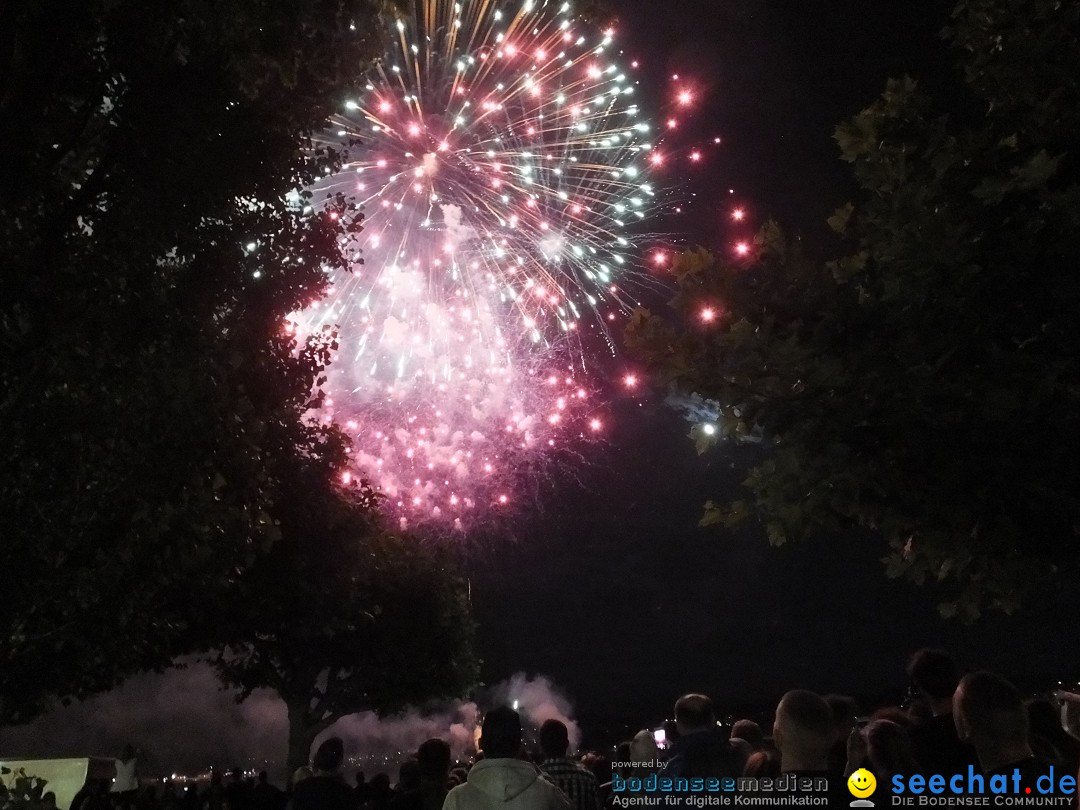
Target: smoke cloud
(456, 231)
(185, 723)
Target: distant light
(742, 248)
(738, 214)
(630, 380)
(708, 314)
(709, 429)
(685, 97)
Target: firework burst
(502, 167)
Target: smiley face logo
(861, 783)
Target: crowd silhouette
(977, 725)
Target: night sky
(610, 588)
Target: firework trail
(502, 166)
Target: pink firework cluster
(503, 168)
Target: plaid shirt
(577, 783)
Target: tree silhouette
(151, 252)
(925, 385)
(341, 616)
